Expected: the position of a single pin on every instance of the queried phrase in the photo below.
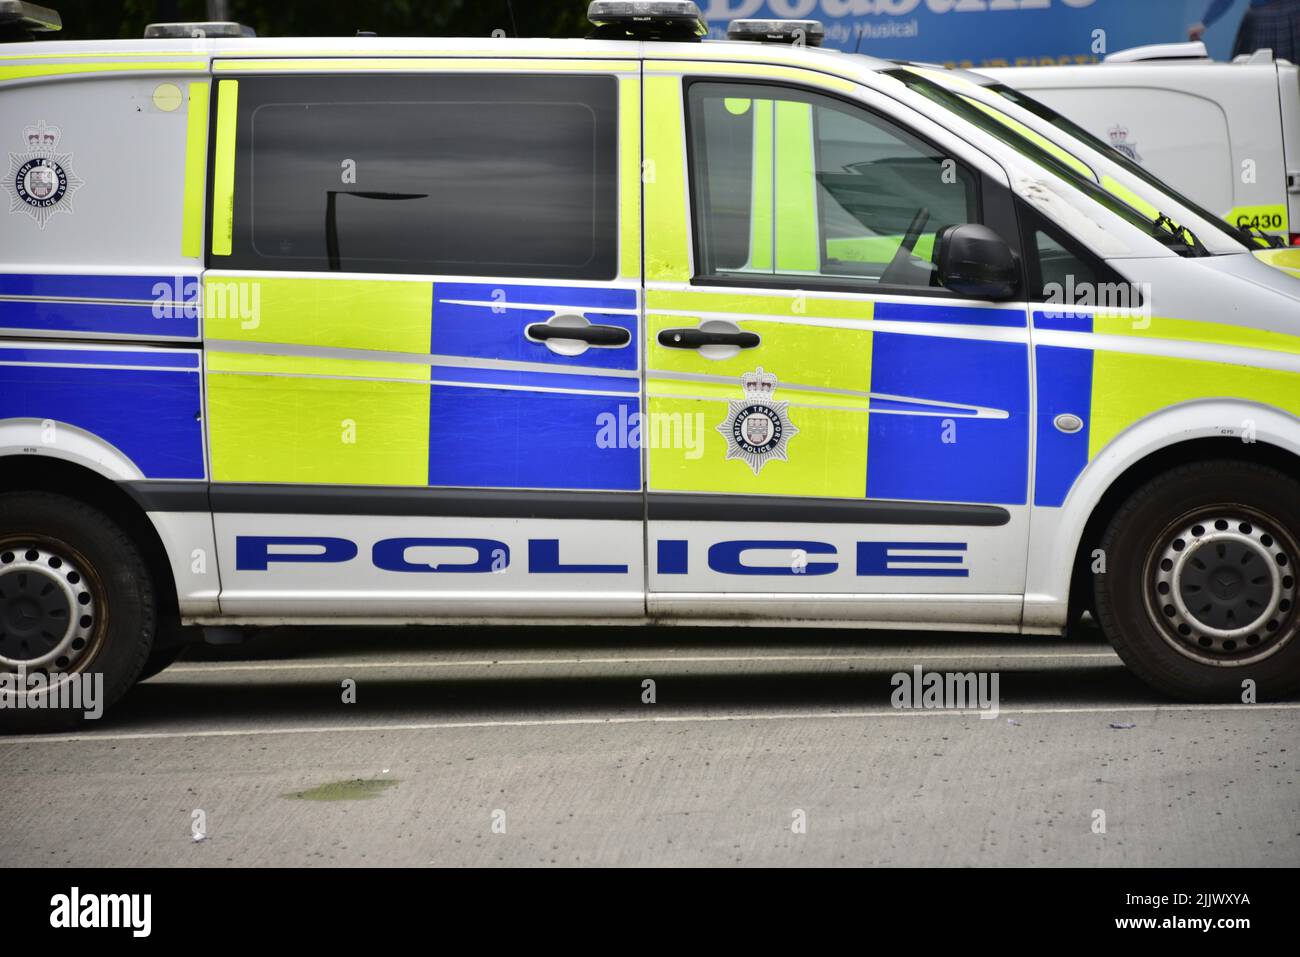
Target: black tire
(1200, 590)
(56, 551)
(159, 660)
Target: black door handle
(695, 338)
(596, 335)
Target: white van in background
(1225, 134)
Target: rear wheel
(1200, 589)
(77, 610)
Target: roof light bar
(219, 29)
(646, 20)
(795, 32)
(16, 15)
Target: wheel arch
(1062, 540)
(62, 475)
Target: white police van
(631, 328)
(1225, 134)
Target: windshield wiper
(1251, 233)
(1177, 237)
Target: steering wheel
(897, 269)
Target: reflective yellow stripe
(1037, 139)
(945, 79)
(370, 52)
(629, 123)
(1126, 195)
(796, 190)
(1190, 330)
(783, 193)
(761, 214)
(196, 165)
(714, 68)
(667, 249)
(223, 171)
(439, 64)
(69, 69)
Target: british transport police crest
(40, 181)
(757, 428)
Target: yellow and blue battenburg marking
(887, 407)
(341, 381)
(1111, 388)
(536, 427)
(980, 387)
(145, 402)
(147, 307)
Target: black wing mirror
(975, 261)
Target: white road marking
(200, 668)
(1113, 710)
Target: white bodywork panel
(1193, 124)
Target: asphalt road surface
(761, 747)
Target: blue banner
(991, 32)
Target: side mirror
(975, 261)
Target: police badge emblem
(1119, 140)
(757, 428)
(41, 181)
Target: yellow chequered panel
(828, 455)
(1128, 387)
(387, 315)
(267, 428)
(811, 356)
(277, 417)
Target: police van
(1226, 134)
(632, 328)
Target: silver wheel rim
(48, 611)
(1221, 586)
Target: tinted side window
(792, 183)
(435, 174)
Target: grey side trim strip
(433, 502)
(526, 503)
(169, 496)
(685, 507)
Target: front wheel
(77, 611)
(1198, 595)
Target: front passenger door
(861, 433)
